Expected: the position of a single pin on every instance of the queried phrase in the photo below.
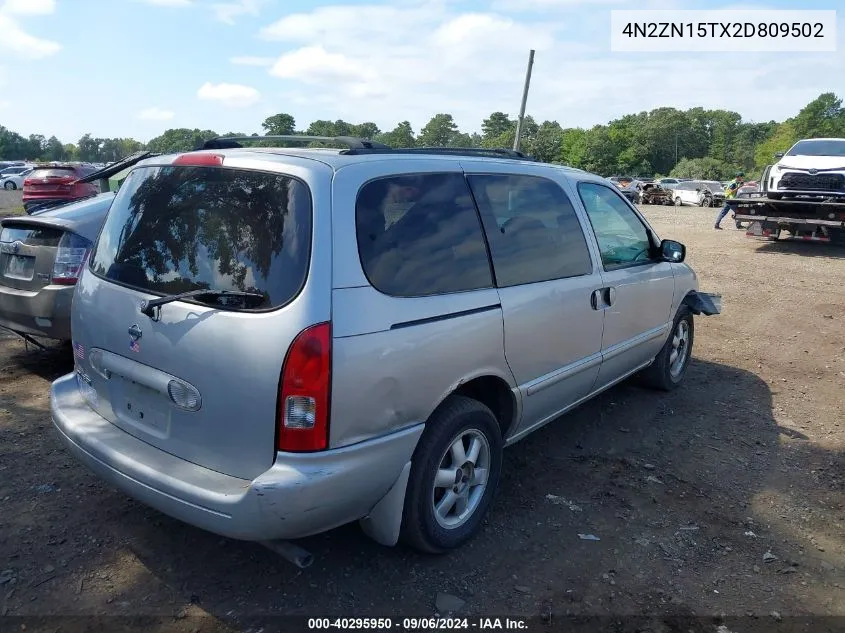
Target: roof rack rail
(498, 152)
(233, 142)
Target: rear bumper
(300, 495)
(42, 313)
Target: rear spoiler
(118, 167)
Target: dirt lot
(10, 202)
(723, 498)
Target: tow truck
(804, 218)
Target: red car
(53, 185)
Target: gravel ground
(723, 498)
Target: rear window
(178, 229)
(30, 235)
(53, 172)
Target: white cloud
(227, 11)
(232, 95)
(21, 44)
(28, 7)
(246, 60)
(155, 114)
(314, 65)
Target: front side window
(178, 229)
(420, 235)
(532, 228)
(623, 239)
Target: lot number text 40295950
(419, 624)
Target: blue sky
(136, 67)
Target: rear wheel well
(495, 394)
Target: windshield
(177, 229)
(818, 148)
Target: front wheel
(678, 202)
(670, 365)
(454, 475)
(9, 186)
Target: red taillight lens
(71, 256)
(303, 416)
(199, 160)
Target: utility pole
(524, 101)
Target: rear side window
(177, 229)
(420, 235)
(533, 230)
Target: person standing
(730, 193)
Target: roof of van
(337, 158)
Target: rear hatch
(52, 182)
(35, 254)
(199, 377)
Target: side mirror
(778, 154)
(698, 189)
(672, 251)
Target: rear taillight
(303, 416)
(71, 256)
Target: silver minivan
(273, 342)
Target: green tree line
(687, 143)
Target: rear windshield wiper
(151, 308)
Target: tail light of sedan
(71, 255)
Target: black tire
(658, 374)
(678, 202)
(837, 236)
(420, 528)
(738, 225)
(9, 186)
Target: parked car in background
(13, 171)
(749, 189)
(5, 164)
(812, 167)
(11, 182)
(309, 292)
(628, 187)
(713, 193)
(40, 258)
(653, 193)
(698, 193)
(49, 186)
(668, 182)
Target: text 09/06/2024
(723, 31)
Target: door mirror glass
(673, 251)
